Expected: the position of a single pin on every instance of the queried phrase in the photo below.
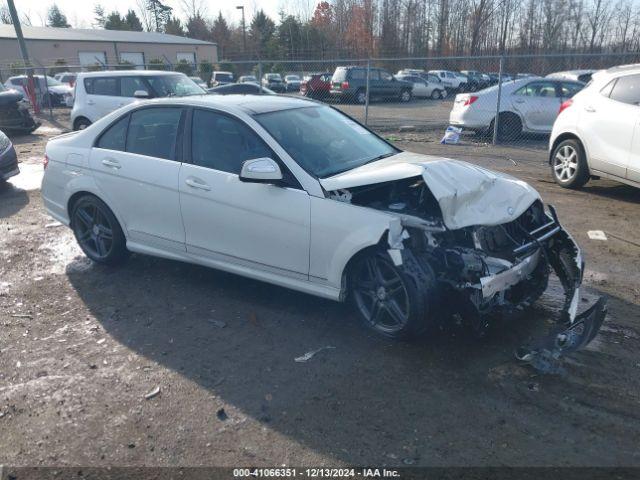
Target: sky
(80, 12)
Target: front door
(607, 124)
(538, 104)
(255, 225)
(136, 166)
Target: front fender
(339, 231)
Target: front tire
(436, 94)
(569, 166)
(97, 231)
(388, 299)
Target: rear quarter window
(102, 86)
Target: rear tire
(97, 231)
(509, 126)
(81, 123)
(436, 94)
(387, 298)
(569, 166)
(361, 97)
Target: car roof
(126, 73)
(250, 104)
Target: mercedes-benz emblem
(510, 210)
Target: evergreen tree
(55, 18)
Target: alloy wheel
(93, 230)
(565, 163)
(381, 295)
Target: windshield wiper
(380, 157)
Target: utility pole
(25, 55)
(244, 31)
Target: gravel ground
(82, 346)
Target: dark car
(274, 82)
(476, 80)
(8, 158)
(350, 84)
(240, 88)
(14, 115)
(316, 85)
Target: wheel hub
(96, 230)
(381, 293)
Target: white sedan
(527, 105)
(295, 193)
(429, 87)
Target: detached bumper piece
(574, 330)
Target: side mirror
(260, 170)
(141, 94)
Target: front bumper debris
(574, 331)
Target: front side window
(627, 90)
(174, 85)
(386, 76)
(102, 86)
(153, 132)
(223, 143)
(324, 141)
(115, 136)
(130, 85)
(569, 89)
(537, 89)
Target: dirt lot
(82, 345)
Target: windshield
(292, 77)
(174, 86)
(274, 76)
(323, 141)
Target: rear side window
(130, 85)
(153, 132)
(627, 90)
(102, 86)
(386, 76)
(537, 89)
(223, 143)
(359, 74)
(115, 136)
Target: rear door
(136, 165)
(608, 126)
(103, 95)
(538, 104)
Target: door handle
(519, 101)
(90, 102)
(195, 184)
(589, 109)
(108, 162)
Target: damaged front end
(482, 269)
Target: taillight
(46, 161)
(470, 100)
(566, 104)
(344, 85)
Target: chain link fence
(511, 100)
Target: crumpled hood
(467, 194)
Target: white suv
(597, 133)
(100, 93)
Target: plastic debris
(451, 136)
(309, 355)
(221, 414)
(597, 235)
(153, 393)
